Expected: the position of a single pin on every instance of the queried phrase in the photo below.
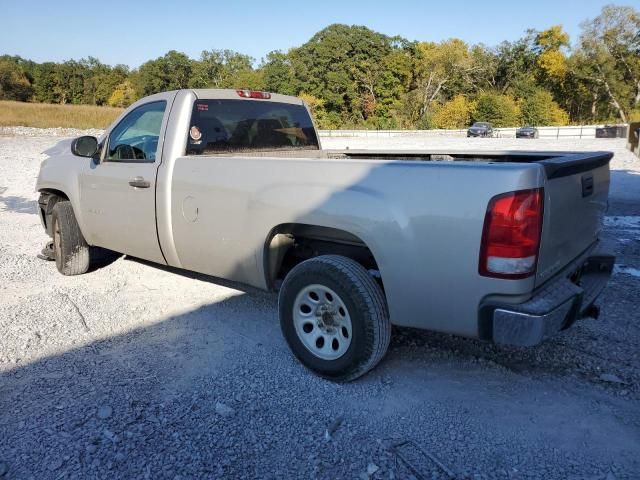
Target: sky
(132, 32)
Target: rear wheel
(334, 317)
(70, 248)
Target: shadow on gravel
(138, 405)
(199, 276)
(18, 204)
(582, 350)
(101, 258)
(215, 393)
(623, 193)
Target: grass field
(45, 115)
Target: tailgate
(576, 195)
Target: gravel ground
(140, 371)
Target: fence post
(580, 132)
(558, 133)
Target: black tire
(71, 249)
(366, 306)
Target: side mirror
(84, 146)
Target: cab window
(222, 126)
(135, 138)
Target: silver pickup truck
(501, 246)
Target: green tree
(391, 87)
(69, 82)
(251, 79)
(14, 84)
(485, 68)
(45, 82)
(278, 74)
(169, 72)
(341, 65)
(221, 69)
(516, 63)
(539, 109)
(500, 110)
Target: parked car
(611, 131)
(527, 132)
(501, 246)
(480, 129)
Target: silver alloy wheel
(322, 322)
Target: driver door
(117, 195)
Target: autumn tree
(441, 69)
(609, 57)
(551, 46)
(123, 95)
(456, 113)
(110, 80)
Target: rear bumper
(556, 306)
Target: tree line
(353, 77)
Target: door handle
(139, 182)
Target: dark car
(480, 129)
(527, 132)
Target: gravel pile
(139, 371)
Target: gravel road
(141, 371)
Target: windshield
(480, 124)
(219, 126)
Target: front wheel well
(290, 244)
(48, 199)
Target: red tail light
(254, 94)
(511, 234)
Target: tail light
(254, 94)
(511, 234)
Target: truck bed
(556, 164)
(576, 189)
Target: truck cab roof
(243, 94)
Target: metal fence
(580, 131)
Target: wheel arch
(48, 199)
(288, 244)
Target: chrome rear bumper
(556, 306)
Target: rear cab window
(227, 126)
